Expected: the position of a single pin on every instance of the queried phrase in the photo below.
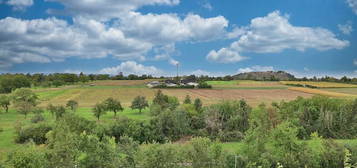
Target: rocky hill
(269, 76)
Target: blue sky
(210, 37)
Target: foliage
(24, 100)
(187, 100)
(198, 104)
(72, 104)
(5, 102)
(111, 104)
(140, 103)
(99, 109)
(36, 133)
(10, 83)
(204, 85)
(28, 157)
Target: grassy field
(352, 91)
(246, 84)
(320, 84)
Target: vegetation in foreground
(270, 136)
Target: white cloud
(355, 62)
(207, 6)
(200, 72)
(225, 55)
(273, 34)
(346, 28)
(131, 67)
(46, 40)
(173, 62)
(105, 9)
(256, 68)
(353, 5)
(20, 4)
(306, 69)
(168, 28)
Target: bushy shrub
(204, 85)
(37, 118)
(36, 133)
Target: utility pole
(177, 72)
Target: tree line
(271, 136)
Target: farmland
(320, 84)
(89, 94)
(254, 92)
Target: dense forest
(272, 135)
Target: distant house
(171, 84)
(153, 84)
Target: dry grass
(253, 97)
(321, 92)
(321, 84)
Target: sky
(204, 37)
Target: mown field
(320, 84)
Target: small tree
(59, 111)
(187, 100)
(98, 110)
(113, 105)
(72, 104)
(24, 100)
(5, 102)
(198, 104)
(139, 103)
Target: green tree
(99, 109)
(72, 104)
(198, 104)
(113, 105)
(5, 102)
(187, 100)
(161, 99)
(139, 103)
(28, 157)
(24, 100)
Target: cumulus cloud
(20, 4)
(46, 40)
(353, 5)
(168, 28)
(273, 34)
(345, 28)
(131, 67)
(130, 36)
(256, 68)
(225, 55)
(105, 9)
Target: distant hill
(269, 76)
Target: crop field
(246, 84)
(322, 92)
(254, 92)
(352, 91)
(320, 84)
